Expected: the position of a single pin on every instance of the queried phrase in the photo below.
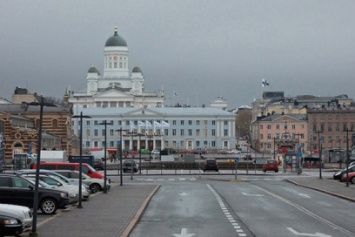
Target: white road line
(226, 212)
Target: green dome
(93, 69)
(137, 69)
(115, 40)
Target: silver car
(95, 185)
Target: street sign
(118, 142)
(236, 159)
(321, 140)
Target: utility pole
(347, 130)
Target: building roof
(115, 40)
(276, 116)
(174, 111)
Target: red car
(351, 176)
(271, 165)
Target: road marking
(308, 234)
(306, 211)
(226, 212)
(184, 233)
(254, 195)
(183, 194)
(304, 195)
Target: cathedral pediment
(144, 111)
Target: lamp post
(105, 171)
(320, 142)
(340, 160)
(120, 143)
(347, 130)
(40, 103)
(140, 151)
(81, 116)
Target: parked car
(210, 164)
(168, 151)
(17, 190)
(99, 164)
(351, 177)
(339, 174)
(128, 165)
(155, 152)
(234, 151)
(272, 165)
(223, 151)
(145, 151)
(55, 174)
(14, 219)
(55, 183)
(94, 185)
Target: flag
(131, 124)
(157, 124)
(264, 83)
(148, 124)
(165, 124)
(141, 124)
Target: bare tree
(242, 123)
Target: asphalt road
(257, 206)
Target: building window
(174, 122)
(174, 132)
(322, 127)
(96, 144)
(190, 122)
(87, 123)
(293, 126)
(112, 143)
(261, 136)
(213, 132)
(190, 132)
(182, 132)
(103, 132)
(352, 127)
(197, 122)
(268, 126)
(213, 122)
(96, 122)
(87, 132)
(345, 126)
(329, 127)
(213, 143)
(96, 132)
(112, 133)
(277, 126)
(268, 136)
(225, 123)
(314, 127)
(87, 144)
(197, 143)
(277, 135)
(205, 122)
(182, 122)
(261, 126)
(197, 132)
(337, 127)
(225, 132)
(103, 144)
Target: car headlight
(11, 222)
(72, 194)
(64, 195)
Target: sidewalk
(113, 214)
(327, 185)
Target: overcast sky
(199, 49)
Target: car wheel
(95, 188)
(352, 180)
(48, 206)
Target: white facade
(159, 128)
(116, 87)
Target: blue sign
(118, 142)
(236, 159)
(321, 140)
(299, 151)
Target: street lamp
(120, 143)
(81, 116)
(140, 151)
(347, 155)
(320, 142)
(105, 171)
(340, 160)
(41, 103)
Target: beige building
(267, 131)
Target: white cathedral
(116, 88)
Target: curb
(322, 190)
(127, 231)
